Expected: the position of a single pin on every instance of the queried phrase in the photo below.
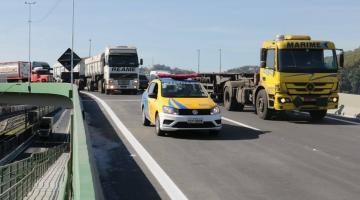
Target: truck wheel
(261, 105)
(158, 130)
(317, 115)
(229, 102)
(100, 86)
(145, 121)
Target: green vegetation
(350, 75)
(244, 69)
(173, 70)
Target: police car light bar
(178, 76)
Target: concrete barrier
(349, 106)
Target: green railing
(79, 178)
(18, 179)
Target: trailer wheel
(229, 101)
(261, 105)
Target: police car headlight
(135, 81)
(215, 110)
(170, 110)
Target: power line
(51, 10)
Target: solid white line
(169, 186)
(125, 100)
(342, 120)
(336, 119)
(240, 124)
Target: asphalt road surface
(287, 157)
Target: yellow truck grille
(309, 88)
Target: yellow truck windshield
(307, 60)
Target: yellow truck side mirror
(341, 58)
(263, 58)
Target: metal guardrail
(17, 179)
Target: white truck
(116, 69)
(15, 71)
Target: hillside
(350, 75)
(244, 69)
(173, 70)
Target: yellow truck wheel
(261, 104)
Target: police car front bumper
(169, 122)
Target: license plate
(309, 99)
(195, 121)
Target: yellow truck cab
(174, 102)
(297, 73)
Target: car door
(152, 101)
(268, 76)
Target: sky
(170, 32)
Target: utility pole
(72, 45)
(220, 61)
(89, 47)
(29, 21)
(198, 56)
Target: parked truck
(41, 72)
(15, 71)
(296, 73)
(116, 69)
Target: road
(284, 158)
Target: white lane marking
(169, 186)
(125, 100)
(333, 118)
(342, 120)
(240, 124)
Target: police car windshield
(182, 89)
(307, 60)
(123, 60)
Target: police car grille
(190, 111)
(186, 125)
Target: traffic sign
(65, 59)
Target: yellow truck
(296, 73)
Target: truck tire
(230, 102)
(261, 105)
(100, 86)
(317, 115)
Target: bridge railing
(17, 179)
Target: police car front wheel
(158, 130)
(145, 121)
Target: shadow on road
(228, 132)
(120, 176)
(304, 118)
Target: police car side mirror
(152, 95)
(141, 61)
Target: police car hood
(189, 103)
